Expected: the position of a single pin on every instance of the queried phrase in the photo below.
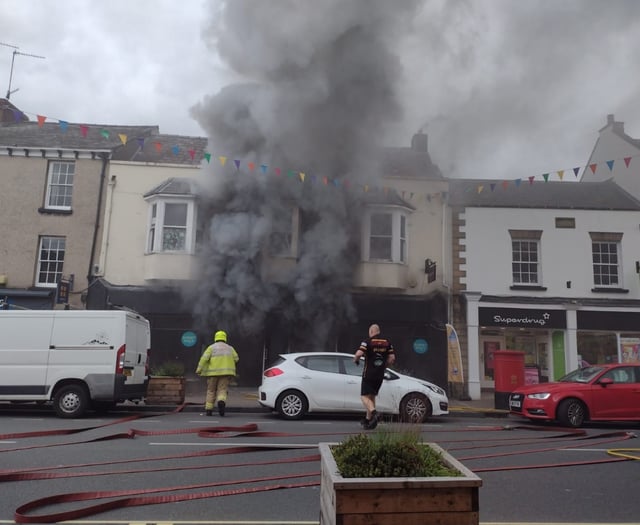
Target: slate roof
(386, 197)
(144, 143)
(174, 186)
(409, 162)
(605, 195)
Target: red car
(593, 393)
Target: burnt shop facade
(555, 337)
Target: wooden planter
(393, 501)
(164, 390)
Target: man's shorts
(370, 387)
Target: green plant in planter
(389, 453)
(168, 369)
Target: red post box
(508, 369)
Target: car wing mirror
(606, 381)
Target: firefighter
(218, 365)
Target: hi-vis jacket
(219, 359)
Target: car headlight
(435, 389)
(541, 395)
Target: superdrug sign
(522, 318)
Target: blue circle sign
(189, 339)
(420, 346)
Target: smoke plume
(317, 89)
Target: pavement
(245, 399)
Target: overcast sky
(505, 89)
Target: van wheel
(71, 401)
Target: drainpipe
(96, 227)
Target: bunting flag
(302, 176)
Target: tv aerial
(13, 59)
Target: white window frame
(399, 242)
(56, 179)
(526, 266)
(532, 269)
(602, 261)
(45, 265)
(156, 226)
(287, 238)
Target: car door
(618, 400)
(323, 383)
(352, 382)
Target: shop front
(538, 333)
(608, 336)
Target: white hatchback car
(300, 383)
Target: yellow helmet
(220, 335)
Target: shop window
(525, 257)
(606, 262)
(597, 348)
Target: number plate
(515, 404)
(127, 372)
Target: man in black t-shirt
(379, 353)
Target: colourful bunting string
(302, 176)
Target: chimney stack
(420, 142)
(615, 126)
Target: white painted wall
(565, 253)
(126, 217)
(611, 146)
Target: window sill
(533, 287)
(609, 290)
(54, 212)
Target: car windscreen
(582, 375)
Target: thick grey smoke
(318, 91)
(513, 89)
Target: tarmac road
(506, 454)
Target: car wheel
(292, 404)
(572, 413)
(415, 408)
(71, 401)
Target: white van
(77, 359)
